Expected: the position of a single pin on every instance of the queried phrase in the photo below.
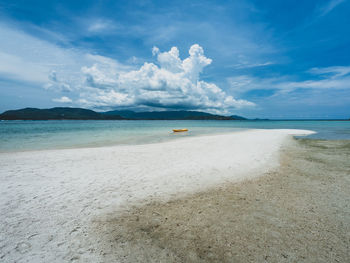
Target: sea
(61, 134)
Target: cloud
(63, 99)
(100, 26)
(324, 92)
(155, 51)
(336, 77)
(246, 65)
(31, 60)
(103, 82)
(173, 84)
(15, 67)
(332, 72)
(57, 84)
(325, 9)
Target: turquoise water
(38, 135)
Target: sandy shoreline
(49, 199)
(298, 213)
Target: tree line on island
(66, 113)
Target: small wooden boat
(180, 130)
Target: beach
(216, 198)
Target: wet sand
(298, 213)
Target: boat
(180, 130)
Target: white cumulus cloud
(103, 82)
(172, 84)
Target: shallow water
(38, 135)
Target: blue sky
(266, 59)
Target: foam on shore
(48, 198)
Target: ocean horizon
(63, 134)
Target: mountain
(128, 114)
(170, 115)
(236, 117)
(64, 113)
(59, 113)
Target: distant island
(170, 115)
(66, 113)
(59, 113)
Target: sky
(254, 58)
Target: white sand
(49, 198)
